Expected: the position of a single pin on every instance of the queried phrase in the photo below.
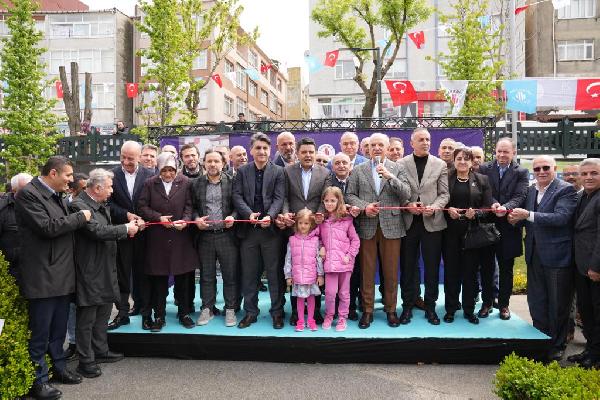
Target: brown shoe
(419, 303)
(365, 320)
(485, 311)
(392, 319)
(504, 313)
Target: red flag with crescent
(519, 10)
(59, 89)
(217, 79)
(132, 90)
(401, 92)
(418, 38)
(588, 94)
(331, 58)
(265, 67)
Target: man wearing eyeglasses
(570, 174)
(547, 214)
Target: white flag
(230, 75)
(556, 93)
(456, 91)
(560, 3)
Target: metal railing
(93, 148)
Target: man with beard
(286, 150)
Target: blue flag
(252, 73)
(484, 20)
(314, 65)
(521, 95)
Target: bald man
(129, 178)
(547, 213)
(286, 150)
(238, 157)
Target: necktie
(343, 187)
(502, 171)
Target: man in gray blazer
(305, 182)
(428, 178)
(587, 257)
(374, 184)
(258, 194)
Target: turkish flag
(264, 68)
(418, 38)
(519, 10)
(59, 90)
(217, 79)
(588, 94)
(401, 92)
(132, 90)
(331, 58)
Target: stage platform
(419, 341)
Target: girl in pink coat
(341, 247)
(303, 267)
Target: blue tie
(502, 171)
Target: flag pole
(513, 63)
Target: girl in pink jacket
(341, 247)
(303, 267)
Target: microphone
(378, 161)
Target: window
(440, 69)
(252, 116)
(253, 59)
(103, 95)
(578, 9)
(398, 69)
(240, 77)
(253, 88)
(201, 62)
(81, 25)
(229, 67)
(89, 60)
(203, 103)
(279, 85)
(340, 107)
(273, 102)
(279, 109)
(145, 65)
(344, 69)
(242, 106)
(575, 50)
(273, 77)
(228, 106)
(4, 31)
(264, 98)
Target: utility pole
(513, 61)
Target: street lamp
(377, 62)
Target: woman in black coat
(167, 198)
(468, 190)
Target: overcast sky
(283, 25)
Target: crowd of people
(117, 236)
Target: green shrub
(16, 368)
(519, 378)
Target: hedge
(519, 378)
(16, 368)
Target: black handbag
(480, 234)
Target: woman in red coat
(167, 198)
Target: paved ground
(154, 379)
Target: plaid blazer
(360, 192)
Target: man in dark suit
(374, 184)
(129, 178)
(97, 287)
(211, 196)
(587, 257)
(509, 188)
(286, 150)
(47, 269)
(258, 195)
(305, 183)
(547, 214)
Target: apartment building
(297, 95)
(334, 94)
(264, 98)
(101, 43)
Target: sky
(282, 24)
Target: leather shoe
(91, 370)
(472, 318)
(65, 376)
(147, 323)
(43, 391)
(578, 357)
(392, 319)
(420, 303)
(352, 315)
(365, 320)
(406, 316)
(109, 357)
(159, 323)
(247, 321)
(134, 311)
(318, 318)
(590, 362)
(485, 311)
(118, 321)
(504, 313)
(71, 352)
(432, 317)
(262, 287)
(449, 317)
(294, 318)
(278, 322)
(555, 355)
(187, 322)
